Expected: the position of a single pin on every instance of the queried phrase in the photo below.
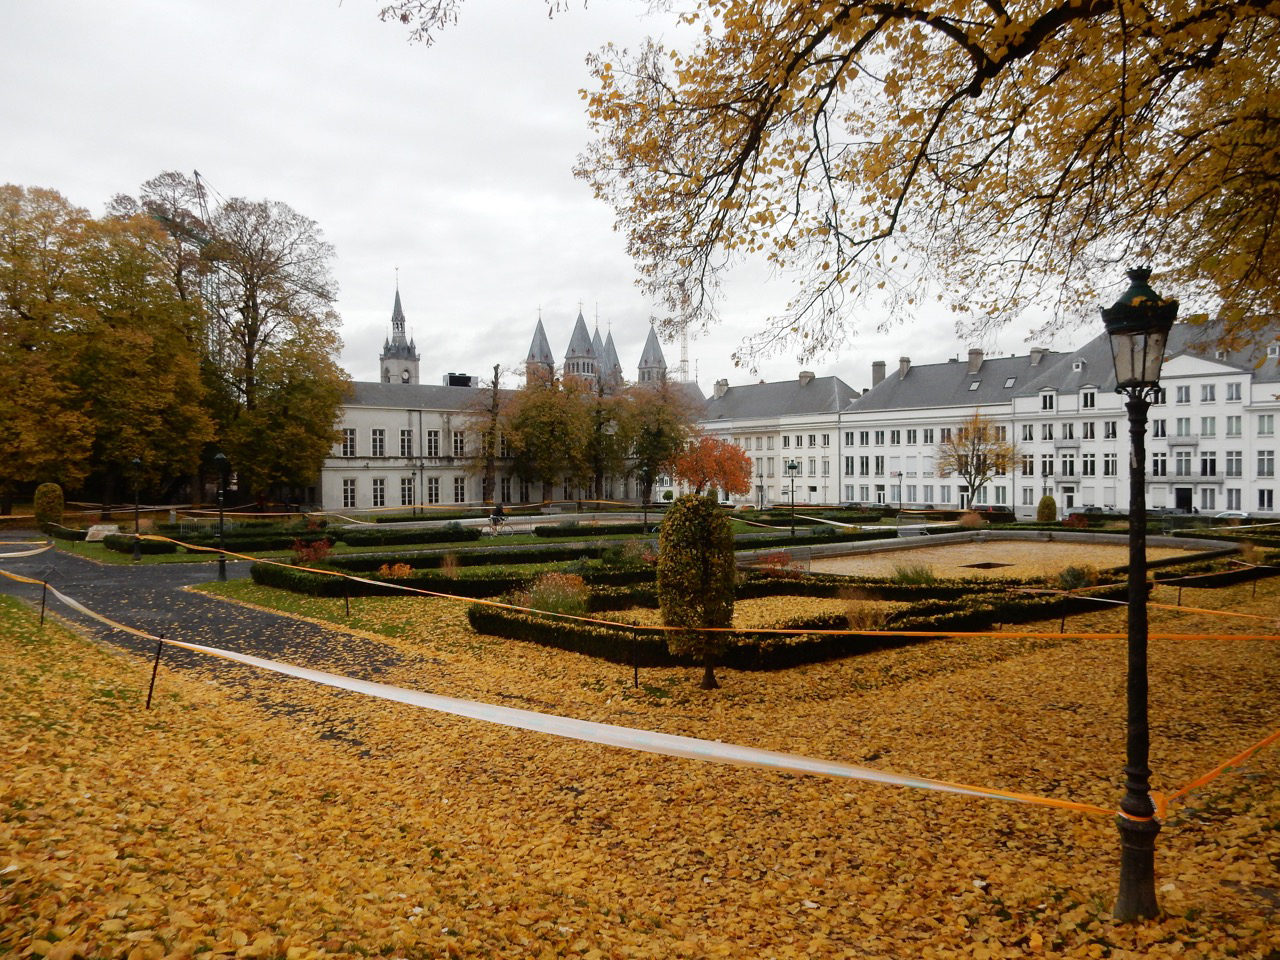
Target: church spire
(399, 360)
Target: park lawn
(303, 822)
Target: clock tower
(399, 360)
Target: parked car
(1232, 515)
(995, 513)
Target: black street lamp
(224, 467)
(759, 485)
(137, 480)
(793, 467)
(1138, 325)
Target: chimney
(904, 364)
(1037, 354)
(722, 387)
(975, 361)
(877, 372)
(805, 377)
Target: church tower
(653, 365)
(581, 360)
(399, 360)
(540, 364)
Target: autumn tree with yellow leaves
(976, 451)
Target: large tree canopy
(994, 154)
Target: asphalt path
(153, 597)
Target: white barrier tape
(588, 731)
(26, 553)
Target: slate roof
(540, 349)
(785, 398)
(397, 347)
(415, 396)
(580, 342)
(949, 384)
(651, 357)
(609, 362)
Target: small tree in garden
(696, 579)
(707, 462)
(48, 505)
(1047, 511)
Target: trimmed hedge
(452, 532)
(409, 517)
(123, 543)
(484, 556)
(248, 542)
(59, 532)
(584, 531)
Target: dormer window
(975, 385)
(1077, 365)
(1010, 382)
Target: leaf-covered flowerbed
(211, 826)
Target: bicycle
(497, 527)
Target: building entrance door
(1182, 498)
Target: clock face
(404, 375)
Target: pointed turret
(653, 365)
(580, 360)
(540, 365)
(610, 365)
(399, 360)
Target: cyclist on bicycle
(499, 516)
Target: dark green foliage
(48, 505)
(123, 543)
(64, 533)
(696, 578)
(452, 532)
(407, 516)
(572, 528)
(1047, 510)
(487, 556)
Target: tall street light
(1138, 325)
(793, 467)
(224, 467)
(137, 480)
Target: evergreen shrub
(48, 505)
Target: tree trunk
(108, 494)
(708, 672)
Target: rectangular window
(1046, 466)
(348, 493)
(1233, 426)
(433, 489)
(1266, 501)
(895, 437)
(848, 441)
(1028, 431)
(786, 441)
(1002, 496)
(864, 437)
(348, 441)
(879, 438)
(1046, 401)
(879, 464)
(1183, 393)
(1086, 430)
(406, 492)
(799, 441)
(1088, 465)
(826, 467)
(1208, 464)
(1235, 463)
(926, 493)
(406, 443)
(1233, 393)
(1266, 424)
(1234, 499)
(1068, 465)
(864, 466)
(1158, 428)
(768, 442)
(1206, 393)
(813, 440)
(1108, 464)
(378, 442)
(459, 443)
(759, 443)
(1046, 431)
(1068, 431)
(1208, 426)
(1182, 463)
(379, 491)
(1087, 400)
(459, 489)
(1108, 430)
(1159, 395)
(928, 436)
(1182, 427)
(850, 466)
(1266, 463)
(1002, 434)
(1207, 499)
(946, 434)
(1028, 465)
(813, 467)
(504, 488)
(1028, 496)
(911, 438)
(1159, 464)
(944, 493)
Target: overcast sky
(452, 163)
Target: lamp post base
(1137, 896)
(222, 568)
